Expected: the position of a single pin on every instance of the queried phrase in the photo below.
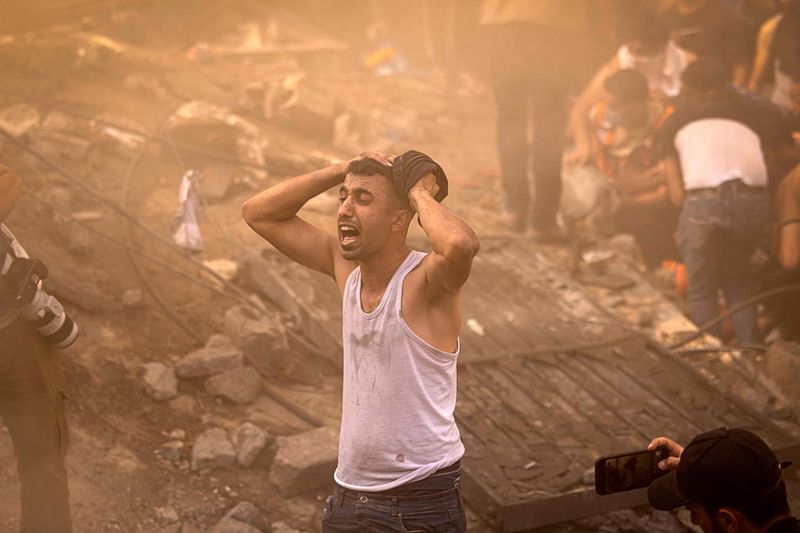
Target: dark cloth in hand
(410, 167)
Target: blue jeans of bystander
(718, 232)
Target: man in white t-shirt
(399, 448)
(713, 149)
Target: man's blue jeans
(432, 505)
(718, 232)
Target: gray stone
(240, 385)
(229, 525)
(160, 382)
(184, 404)
(212, 449)
(248, 513)
(218, 355)
(305, 462)
(257, 336)
(248, 441)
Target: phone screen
(617, 473)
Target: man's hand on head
(380, 157)
(10, 189)
(673, 448)
(426, 185)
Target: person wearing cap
(714, 149)
(399, 446)
(728, 479)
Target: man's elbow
(461, 248)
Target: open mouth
(348, 234)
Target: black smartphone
(628, 471)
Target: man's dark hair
(763, 509)
(628, 85)
(641, 24)
(706, 74)
(366, 167)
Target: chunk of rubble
(283, 527)
(305, 462)
(18, 119)
(248, 441)
(218, 355)
(160, 382)
(239, 385)
(229, 525)
(184, 404)
(248, 513)
(256, 335)
(212, 449)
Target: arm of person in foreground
(454, 243)
(10, 189)
(673, 448)
(272, 214)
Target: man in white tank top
(399, 449)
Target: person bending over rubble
(399, 450)
(31, 402)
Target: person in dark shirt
(728, 479)
(710, 28)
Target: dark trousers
(434, 505)
(34, 414)
(653, 226)
(530, 79)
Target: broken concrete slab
(218, 355)
(249, 440)
(311, 300)
(160, 382)
(239, 385)
(305, 461)
(248, 513)
(229, 525)
(184, 404)
(212, 449)
(256, 335)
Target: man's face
(367, 210)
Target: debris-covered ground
(196, 399)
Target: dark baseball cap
(722, 467)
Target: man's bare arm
(10, 189)
(272, 214)
(454, 243)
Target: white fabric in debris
(187, 233)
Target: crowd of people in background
(695, 123)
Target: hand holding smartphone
(628, 471)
